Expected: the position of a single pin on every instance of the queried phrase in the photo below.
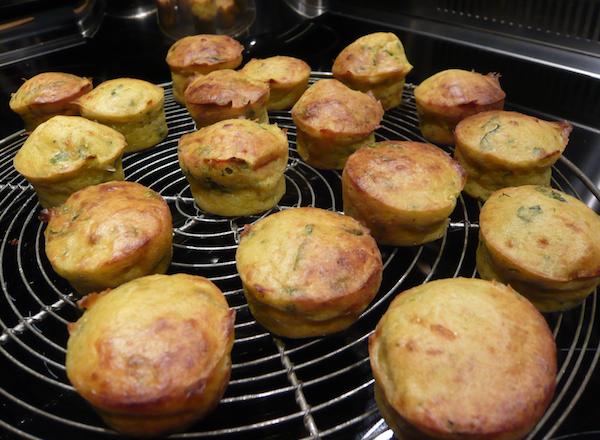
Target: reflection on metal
(309, 8)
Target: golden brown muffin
(68, 153)
(153, 355)
(235, 167)
(333, 121)
(133, 107)
(48, 94)
(105, 235)
(226, 94)
(199, 55)
(308, 272)
(402, 191)
(286, 77)
(375, 63)
(447, 97)
(542, 242)
(462, 359)
(500, 149)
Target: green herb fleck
(492, 127)
(537, 151)
(290, 290)
(308, 229)
(131, 103)
(298, 255)
(389, 52)
(528, 213)
(549, 192)
(354, 231)
(250, 114)
(61, 156)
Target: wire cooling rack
(279, 389)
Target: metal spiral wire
(314, 388)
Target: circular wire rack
(279, 388)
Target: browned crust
(53, 88)
(510, 419)
(205, 51)
(455, 94)
(497, 248)
(223, 137)
(330, 109)
(181, 363)
(225, 88)
(359, 165)
(321, 247)
(349, 64)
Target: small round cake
(462, 359)
(333, 121)
(542, 242)
(374, 63)
(48, 94)
(286, 77)
(199, 55)
(447, 97)
(68, 153)
(226, 94)
(402, 191)
(308, 272)
(500, 149)
(235, 167)
(133, 107)
(153, 355)
(105, 235)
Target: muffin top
(372, 58)
(277, 71)
(122, 98)
(322, 258)
(226, 88)
(512, 139)
(49, 88)
(204, 53)
(454, 87)
(543, 232)
(149, 344)
(64, 145)
(464, 357)
(409, 176)
(102, 224)
(328, 109)
(231, 151)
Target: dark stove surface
(135, 47)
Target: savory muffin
(375, 63)
(447, 97)
(105, 235)
(67, 153)
(542, 242)
(308, 272)
(402, 191)
(333, 121)
(462, 359)
(226, 94)
(48, 94)
(199, 55)
(131, 106)
(153, 355)
(235, 167)
(499, 149)
(286, 77)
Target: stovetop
(131, 44)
